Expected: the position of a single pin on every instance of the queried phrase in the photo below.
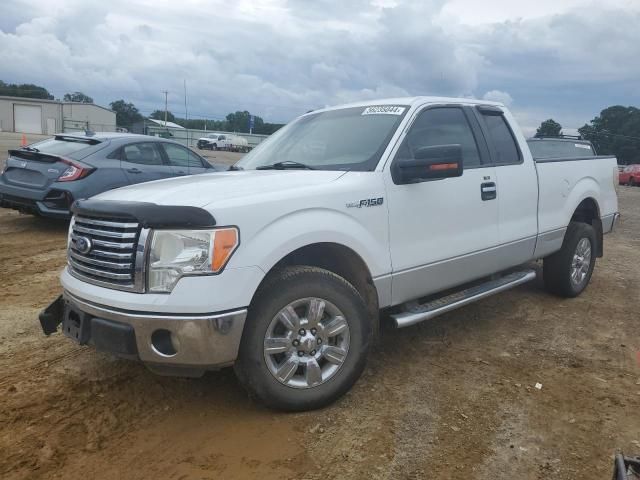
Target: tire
(214, 146)
(339, 364)
(560, 276)
(632, 182)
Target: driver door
(442, 231)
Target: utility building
(34, 115)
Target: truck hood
(206, 188)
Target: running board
(426, 311)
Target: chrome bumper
(195, 342)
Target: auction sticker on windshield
(384, 110)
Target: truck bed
(566, 181)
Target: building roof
(46, 100)
(162, 123)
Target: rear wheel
(306, 340)
(568, 271)
(632, 182)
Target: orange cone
(23, 142)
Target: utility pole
(166, 92)
(186, 112)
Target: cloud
(280, 58)
(498, 96)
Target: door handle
(134, 170)
(488, 191)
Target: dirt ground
(453, 398)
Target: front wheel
(306, 340)
(568, 271)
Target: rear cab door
(516, 184)
(143, 162)
(182, 160)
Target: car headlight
(178, 253)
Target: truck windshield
(345, 139)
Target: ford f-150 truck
(282, 266)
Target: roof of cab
(411, 101)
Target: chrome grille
(115, 258)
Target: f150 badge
(367, 202)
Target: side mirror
(429, 163)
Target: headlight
(178, 253)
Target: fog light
(164, 343)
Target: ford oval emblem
(83, 245)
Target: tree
(239, 122)
(549, 128)
(77, 97)
(126, 113)
(616, 131)
(159, 115)
(27, 90)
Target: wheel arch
(339, 259)
(588, 211)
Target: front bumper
(170, 344)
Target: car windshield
(62, 145)
(344, 139)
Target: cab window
(441, 126)
(502, 143)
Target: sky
(561, 59)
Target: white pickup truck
(222, 141)
(282, 266)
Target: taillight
(73, 171)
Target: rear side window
(142, 154)
(559, 149)
(62, 146)
(181, 157)
(441, 126)
(505, 149)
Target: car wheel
(568, 271)
(632, 182)
(306, 339)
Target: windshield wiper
(29, 149)
(285, 165)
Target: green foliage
(234, 122)
(77, 97)
(159, 115)
(549, 128)
(26, 90)
(616, 131)
(126, 113)
(239, 122)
